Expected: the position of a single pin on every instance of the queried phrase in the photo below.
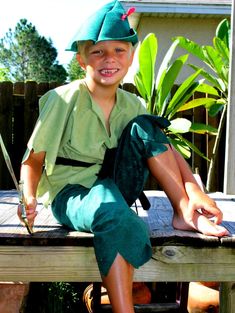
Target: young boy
(78, 124)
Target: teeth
(109, 71)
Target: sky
(55, 19)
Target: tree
(74, 70)
(4, 74)
(29, 56)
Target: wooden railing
(19, 112)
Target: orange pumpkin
(203, 297)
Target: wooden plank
(191, 255)
(158, 220)
(74, 263)
(147, 308)
(185, 272)
(46, 229)
(48, 264)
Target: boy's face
(106, 62)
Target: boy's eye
(119, 50)
(97, 52)
(101, 52)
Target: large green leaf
(208, 89)
(196, 103)
(140, 86)
(210, 56)
(215, 108)
(167, 83)
(182, 94)
(165, 63)
(192, 146)
(210, 77)
(147, 58)
(181, 147)
(223, 32)
(201, 128)
(185, 97)
(222, 49)
(191, 46)
(225, 75)
(214, 60)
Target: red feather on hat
(128, 13)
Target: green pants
(104, 209)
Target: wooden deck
(54, 253)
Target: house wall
(200, 30)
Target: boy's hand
(201, 214)
(205, 215)
(30, 210)
(206, 206)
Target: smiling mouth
(108, 71)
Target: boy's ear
(81, 61)
(132, 56)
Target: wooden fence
(19, 112)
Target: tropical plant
(217, 60)
(29, 56)
(158, 93)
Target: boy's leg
(141, 139)
(143, 147)
(103, 210)
(174, 176)
(118, 283)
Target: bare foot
(199, 223)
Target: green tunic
(72, 125)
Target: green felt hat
(110, 22)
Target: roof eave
(180, 8)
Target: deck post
(229, 165)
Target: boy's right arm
(31, 171)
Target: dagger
(19, 187)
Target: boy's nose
(109, 56)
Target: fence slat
(18, 126)
(30, 109)
(199, 165)
(6, 104)
(18, 88)
(42, 88)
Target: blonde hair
(82, 46)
